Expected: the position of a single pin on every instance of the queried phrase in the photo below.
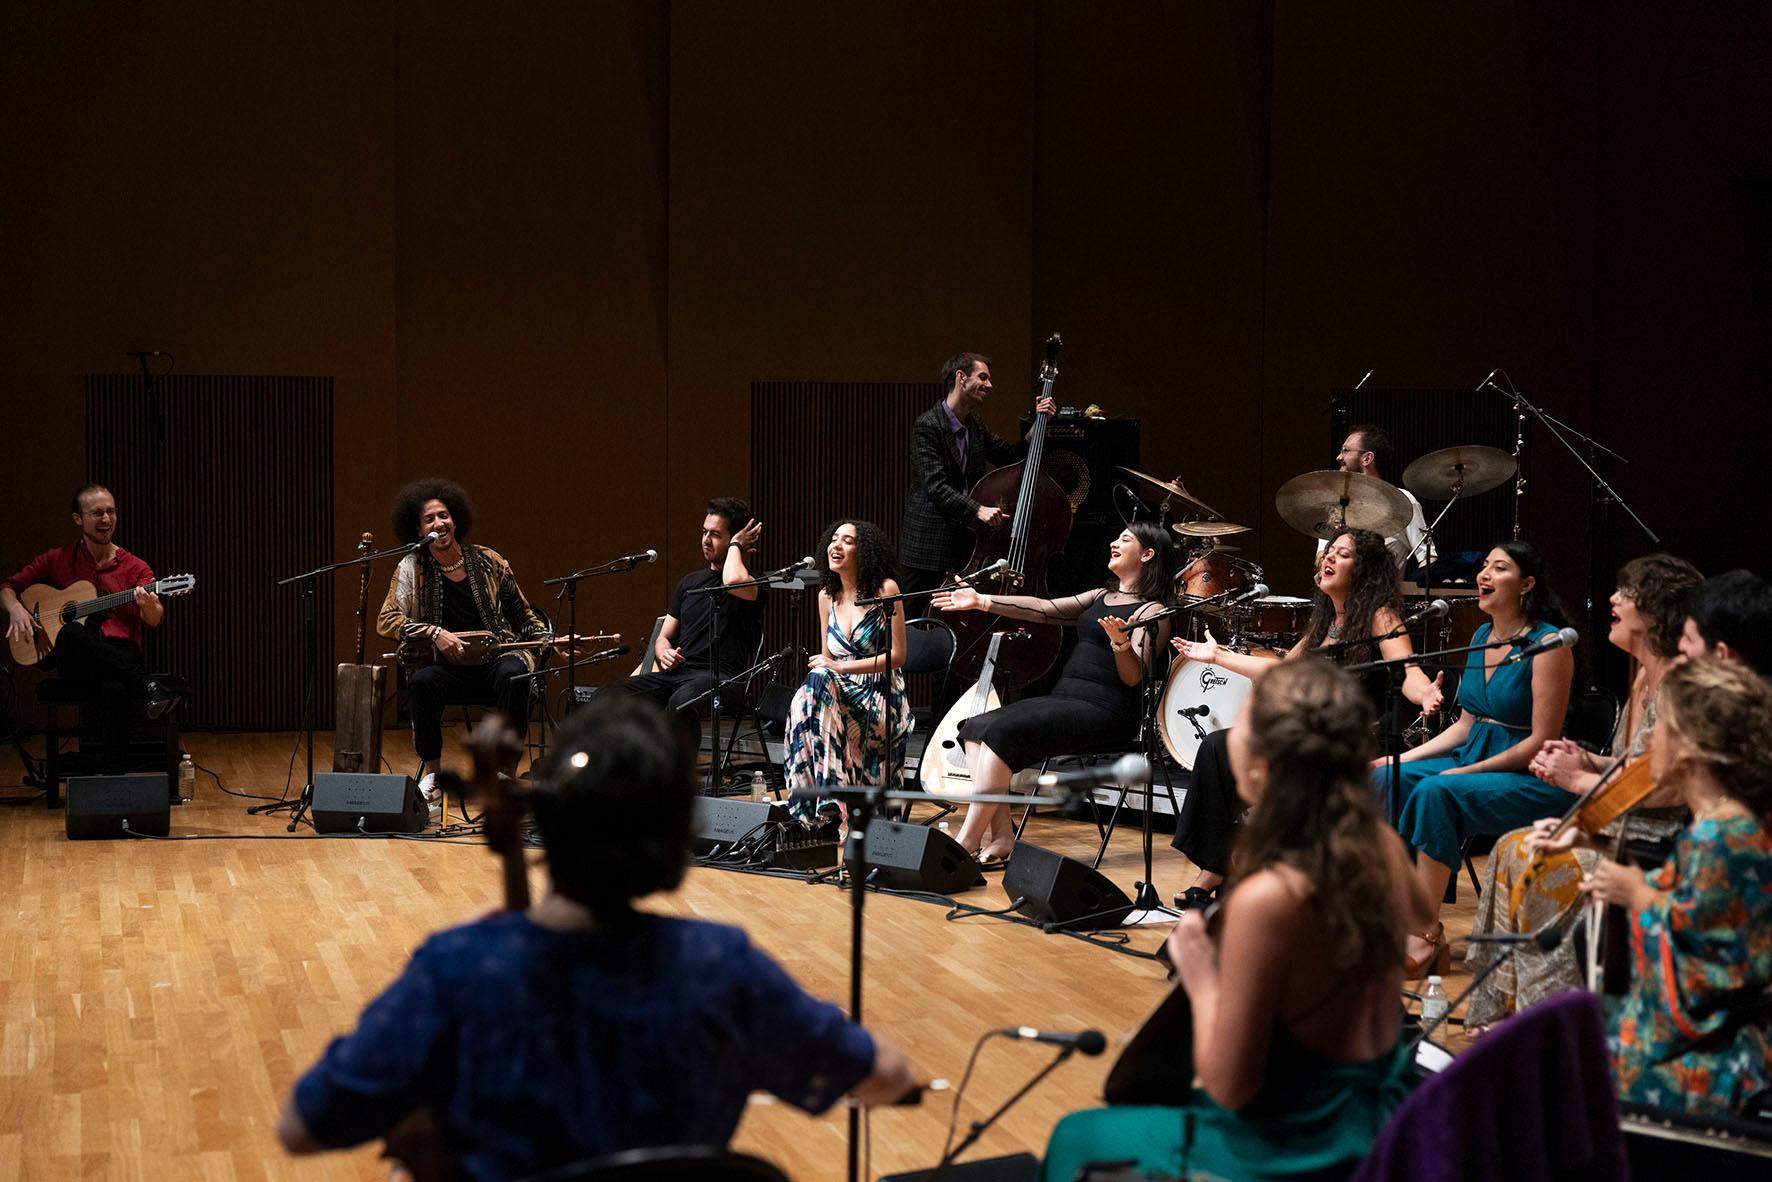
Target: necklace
(454, 566)
(1335, 632)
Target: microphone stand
(978, 1127)
(1602, 494)
(306, 585)
(886, 715)
(864, 800)
(615, 566)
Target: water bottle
(759, 786)
(1433, 1001)
(187, 777)
(943, 826)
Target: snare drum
(1213, 573)
(1203, 694)
(1284, 616)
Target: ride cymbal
(1462, 471)
(1170, 488)
(1323, 504)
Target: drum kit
(1215, 581)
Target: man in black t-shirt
(683, 653)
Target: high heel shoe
(1438, 959)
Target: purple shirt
(959, 430)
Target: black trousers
(674, 689)
(110, 668)
(1206, 827)
(433, 688)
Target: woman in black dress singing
(1095, 703)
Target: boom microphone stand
(306, 585)
(615, 566)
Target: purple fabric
(958, 429)
(1533, 1099)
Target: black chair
(154, 744)
(929, 645)
(692, 1163)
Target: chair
(1533, 1099)
(929, 645)
(154, 743)
(692, 1163)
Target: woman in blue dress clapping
(1472, 777)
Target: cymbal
(1439, 474)
(1171, 488)
(1208, 529)
(1323, 504)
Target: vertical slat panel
(823, 450)
(234, 485)
(1422, 421)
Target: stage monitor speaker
(1061, 891)
(98, 806)
(382, 803)
(904, 857)
(722, 820)
(1014, 1167)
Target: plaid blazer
(940, 511)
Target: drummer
(1369, 451)
(1357, 599)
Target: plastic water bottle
(1433, 1001)
(943, 826)
(759, 786)
(187, 777)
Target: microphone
(989, 568)
(1200, 711)
(1438, 607)
(426, 540)
(1546, 940)
(1490, 378)
(1127, 771)
(1256, 592)
(1561, 638)
(637, 559)
(792, 567)
(1090, 1042)
(141, 353)
(1363, 380)
(608, 654)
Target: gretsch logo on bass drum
(1210, 677)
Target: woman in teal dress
(1692, 1032)
(1471, 777)
(851, 710)
(1295, 1021)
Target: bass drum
(1203, 694)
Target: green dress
(1314, 1118)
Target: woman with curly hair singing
(442, 590)
(851, 710)
(1295, 1022)
(1357, 599)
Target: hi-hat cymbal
(1322, 504)
(1208, 529)
(1170, 488)
(1464, 471)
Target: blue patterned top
(535, 1047)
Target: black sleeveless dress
(1090, 707)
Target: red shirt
(67, 565)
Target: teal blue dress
(1314, 1118)
(1438, 812)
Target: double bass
(1039, 528)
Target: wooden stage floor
(157, 999)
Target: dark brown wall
(547, 248)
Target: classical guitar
(53, 609)
(356, 744)
(944, 760)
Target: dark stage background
(549, 247)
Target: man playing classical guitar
(447, 588)
(105, 654)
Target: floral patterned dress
(1692, 1033)
(837, 721)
